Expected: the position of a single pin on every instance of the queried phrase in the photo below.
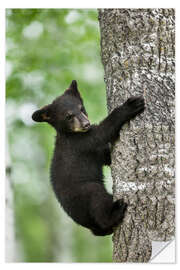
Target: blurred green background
(45, 50)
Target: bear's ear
(73, 86)
(73, 90)
(43, 114)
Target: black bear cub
(80, 152)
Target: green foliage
(46, 49)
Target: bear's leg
(106, 213)
(100, 232)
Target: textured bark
(138, 51)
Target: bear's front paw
(134, 106)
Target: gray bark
(138, 51)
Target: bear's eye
(69, 116)
(82, 110)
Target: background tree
(138, 50)
(11, 251)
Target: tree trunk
(138, 51)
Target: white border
(2, 133)
(89, 4)
(75, 4)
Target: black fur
(80, 152)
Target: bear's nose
(86, 125)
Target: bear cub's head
(66, 113)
